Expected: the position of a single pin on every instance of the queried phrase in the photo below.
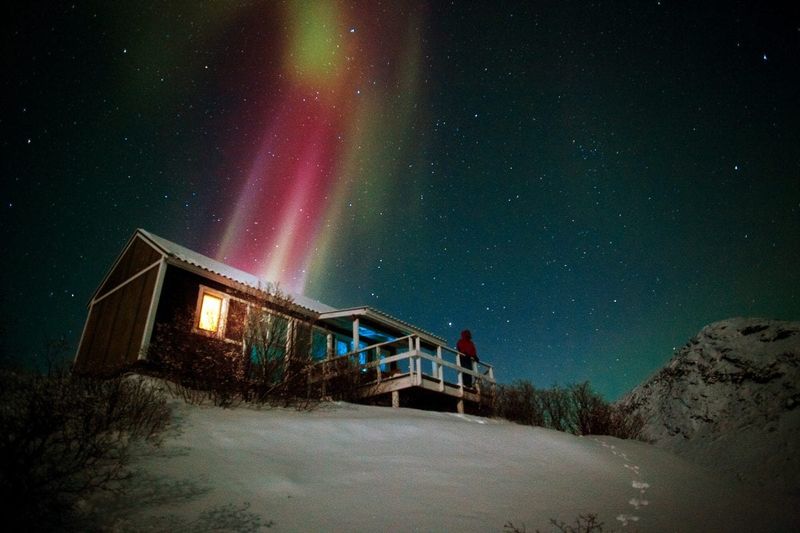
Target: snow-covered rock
(729, 400)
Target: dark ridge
(752, 329)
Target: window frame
(223, 313)
(327, 335)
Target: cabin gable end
(116, 324)
(137, 256)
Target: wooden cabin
(154, 280)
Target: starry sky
(584, 185)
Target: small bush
(587, 523)
(197, 368)
(63, 437)
(559, 409)
(278, 357)
(339, 379)
(520, 403)
(623, 423)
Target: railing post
(356, 323)
(460, 375)
(324, 379)
(439, 368)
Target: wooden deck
(402, 372)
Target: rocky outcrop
(729, 399)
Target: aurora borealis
(583, 185)
(318, 137)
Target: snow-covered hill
(729, 399)
(351, 468)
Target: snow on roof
(181, 253)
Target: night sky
(583, 185)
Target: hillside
(729, 399)
(348, 468)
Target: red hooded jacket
(466, 346)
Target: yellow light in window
(210, 312)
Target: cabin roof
(382, 318)
(326, 312)
(185, 255)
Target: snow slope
(729, 399)
(346, 467)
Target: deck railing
(407, 357)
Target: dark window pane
(319, 344)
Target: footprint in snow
(625, 518)
(641, 486)
(638, 502)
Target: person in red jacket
(467, 354)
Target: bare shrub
(198, 368)
(587, 523)
(519, 403)
(559, 412)
(227, 517)
(591, 411)
(278, 353)
(64, 437)
(576, 409)
(624, 423)
(339, 379)
(488, 397)
(596, 417)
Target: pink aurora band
(341, 67)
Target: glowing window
(210, 312)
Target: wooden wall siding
(179, 295)
(179, 299)
(116, 325)
(138, 256)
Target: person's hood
(466, 335)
